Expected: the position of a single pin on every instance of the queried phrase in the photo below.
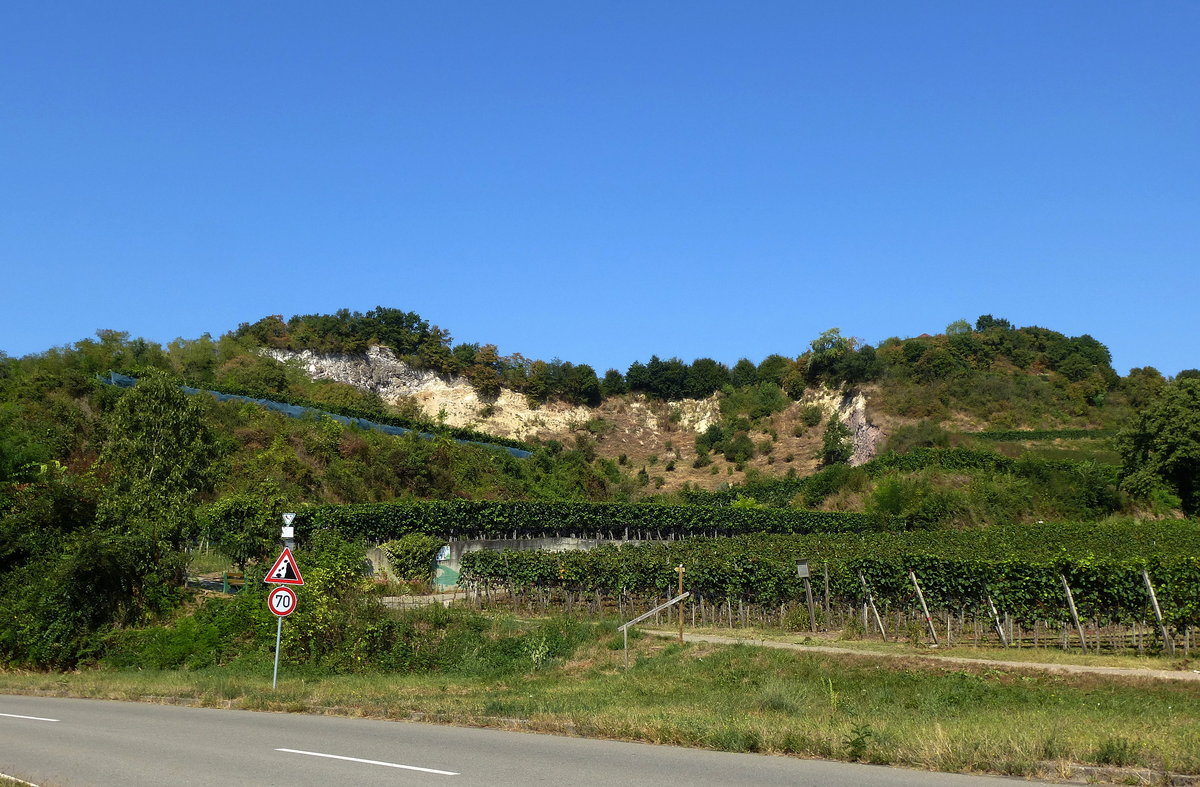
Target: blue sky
(601, 182)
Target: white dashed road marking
(31, 718)
(370, 762)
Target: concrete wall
(449, 567)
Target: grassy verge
(735, 698)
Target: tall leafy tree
(705, 376)
(159, 456)
(1161, 450)
(580, 385)
(836, 447)
(613, 383)
(773, 368)
(744, 372)
(826, 353)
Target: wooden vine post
(924, 608)
(1168, 642)
(1074, 613)
(871, 602)
(679, 570)
(996, 620)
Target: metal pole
(278, 631)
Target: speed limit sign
(282, 600)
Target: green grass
(209, 563)
(736, 698)
(1098, 450)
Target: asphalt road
(64, 742)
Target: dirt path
(1124, 672)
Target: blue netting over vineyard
(297, 411)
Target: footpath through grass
(734, 698)
(1042, 655)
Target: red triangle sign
(284, 572)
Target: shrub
(412, 556)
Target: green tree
(580, 385)
(245, 527)
(412, 556)
(704, 377)
(1161, 450)
(159, 456)
(744, 372)
(835, 443)
(254, 373)
(194, 360)
(826, 353)
(484, 370)
(773, 368)
(637, 377)
(1142, 385)
(613, 384)
(988, 322)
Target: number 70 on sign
(282, 601)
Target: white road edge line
(370, 762)
(31, 718)
(15, 779)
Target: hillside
(659, 428)
(633, 429)
(770, 423)
(107, 493)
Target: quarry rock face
(631, 424)
(377, 370)
(851, 409)
(864, 435)
(455, 401)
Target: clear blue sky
(604, 181)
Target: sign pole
(278, 631)
(803, 572)
(282, 599)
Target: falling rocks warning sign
(284, 572)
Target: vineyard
(379, 522)
(1006, 582)
(1014, 435)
